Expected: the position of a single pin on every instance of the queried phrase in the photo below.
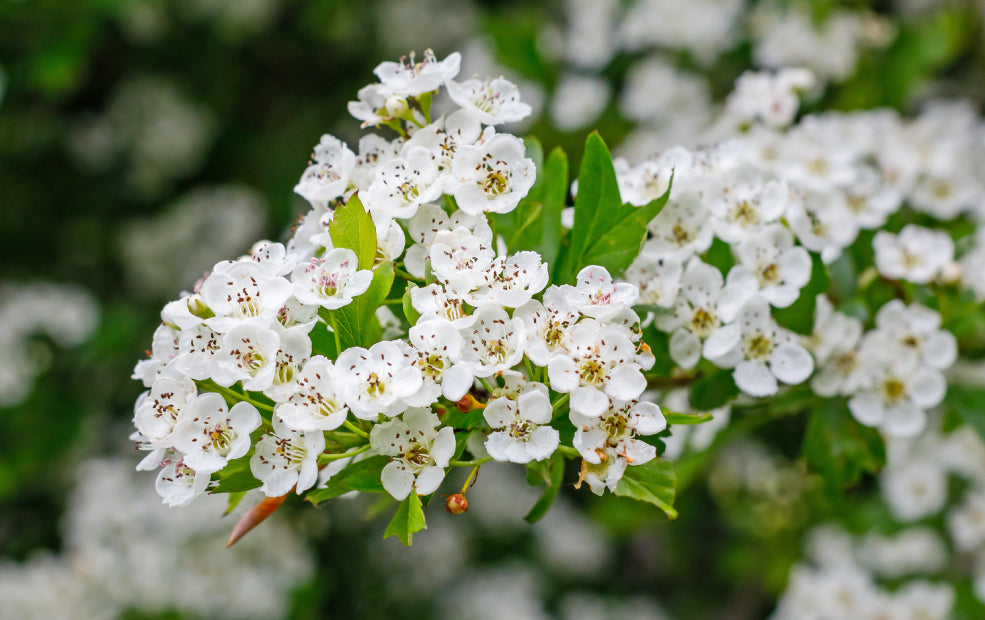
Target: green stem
(335, 330)
(475, 463)
(328, 458)
(233, 394)
(561, 402)
(355, 429)
(568, 451)
(405, 275)
(489, 387)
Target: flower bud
(396, 106)
(456, 504)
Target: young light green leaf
(352, 227)
(235, 477)
(654, 482)
(408, 520)
(409, 312)
(675, 418)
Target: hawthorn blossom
(156, 412)
(597, 296)
(600, 362)
(436, 349)
(917, 254)
(248, 354)
(613, 435)
(546, 325)
(512, 281)
(419, 452)
(492, 175)
(210, 434)
(494, 342)
(287, 459)
(332, 280)
(657, 278)
(316, 404)
(492, 102)
(404, 183)
(377, 380)
(177, 483)
(410, 78)
(436, 301)
(521, 425)
(243, 292)
(770, 262)
(327, 177)
(900, 393)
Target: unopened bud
(396, 106)
(198, 308)
(456, 504)
(469, 403)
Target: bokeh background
(141, 141)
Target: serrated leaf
(550, 493)
(606, 232)
(361, 476)
(352, 227)
(677, 419)
(356, 323)
(654, 482)
(408, 520)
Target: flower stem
(328, 458)
(355, 429)
(475, 463)
(559, 403)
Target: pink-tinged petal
(791, 363)
(755, 379)
(397, 480)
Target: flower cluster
(243, 374)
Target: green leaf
(460, 420)
(352, 227)
(536, 222)
(799, 316)
(839, 448)
(654, 482)
(607, 232)
(969, 405)
(550, 493)
(236, 476)
(361, 476)
(234, 500)
(323, 341)
(408, 520)
(538, 473)
(675, 418)
(356, 323)
(410, 314)
(714, 390)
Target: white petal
(867, 408)
(791, 363)
(755, 379)
(722, 341)
(429, 480)
(904, 420)
(685, 348)
(626, 382)
(397, 480)
(926, 387)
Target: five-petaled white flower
(419, 453)
(210, 434)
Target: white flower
(371, 105)
(493, 175)
(332, 280)
(287, 459)
(834, 343)
(774, 264)
(410, 78)
(682, 228)
(595, 294)
(512, 281)
(696, 312)
(966, 522)
(156, 412)
(914, 331)
(436, 350)
(822, 222)
(914, 489)
(917, 254)
(248, 354)
(327, 177)
(521, 424)
(546, 325)
(377, 380)
(210, 434)
(901, 393)
(435, 301)
(744, 202)
(494, 342)
(294, 351)
(656, 277)
(419, 453)
(768, 352)
(404, 183)
(243, 293)
(492, 102)
(600, 362)
(615, 432)
(177, 483)
(460, 258)
(316, 403)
